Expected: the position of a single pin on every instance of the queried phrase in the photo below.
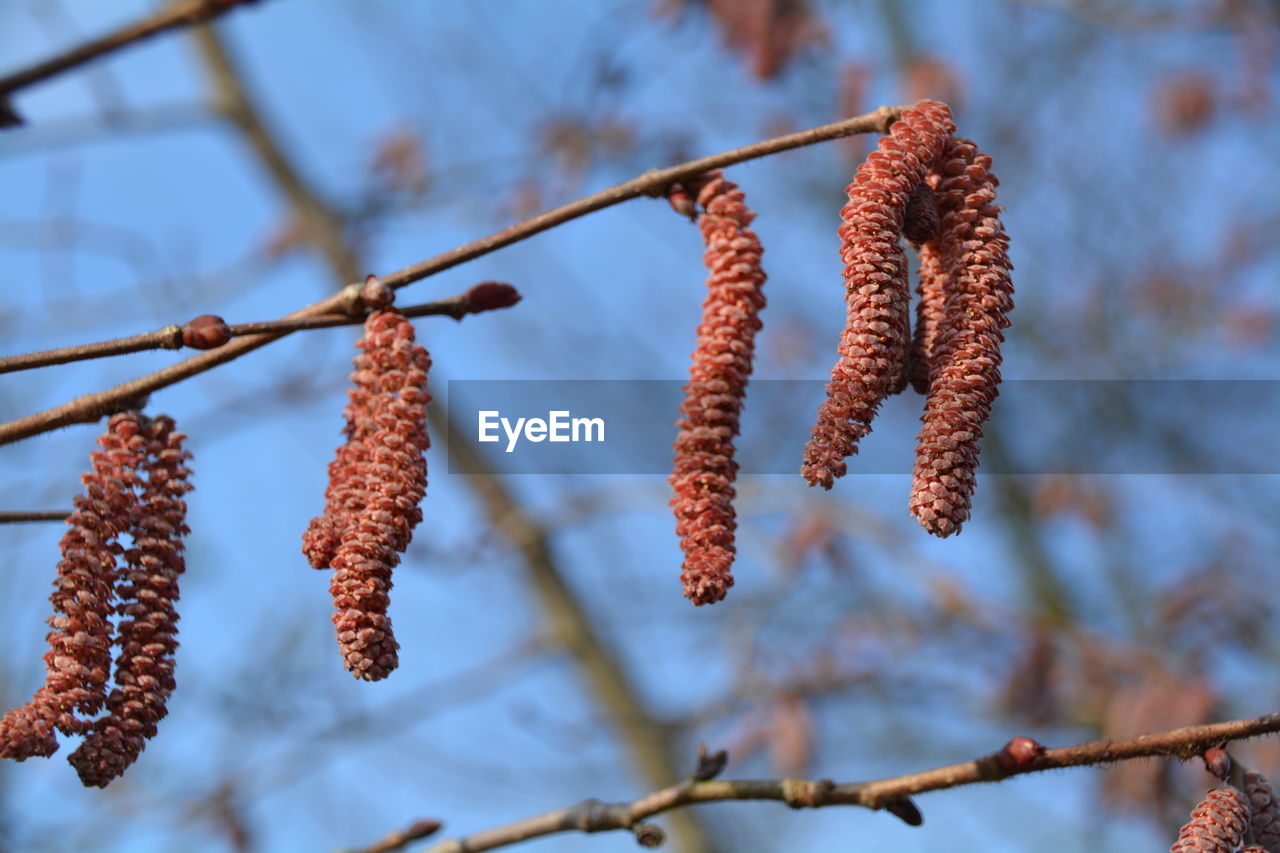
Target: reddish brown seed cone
(147, 631)
(78, 662)
(704, 470)
(872, 362)
(959, 351)
(377, 482)
(1217, 824)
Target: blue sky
(105, 233)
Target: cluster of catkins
(376, 481)
(922, 183)
(136, 489)
(1229, 820)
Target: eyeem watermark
(559, 426)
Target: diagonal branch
(891, 793)
(91, 407)
(182, 14)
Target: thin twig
(34, 515)
(168, 18)
(890, 793)
(393, 841)
(170, 337)
(91, 407)
(653, 183)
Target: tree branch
(171, 336)
(23, 516)
(182, 14)
(891, 793)
(91, 407)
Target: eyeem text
(558, 426)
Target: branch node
(593, 815)
(349, 301)
(374, 294)
(888, 115)
(804, 794)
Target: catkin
(376, 482)
(147, 631)
(705, 470)
(78, 662)
(958, 346)
(873, 347)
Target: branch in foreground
(1021, 755)
(210, 332)
(90, 407)
(168, 18)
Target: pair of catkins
(922, 183)
(135, 489)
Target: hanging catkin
(78, 662)
(148, 627)
(873, 347)
(376, 482)
(705, 469)
(957, 350)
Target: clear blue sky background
(112, 233)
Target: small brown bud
(490, 295)
(421, 829)
(208, 331)
(1218, 762)
(376, 295)
(1019, 754)
(905, 810)
(681, 201)
(710, 764)
(649, 835)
